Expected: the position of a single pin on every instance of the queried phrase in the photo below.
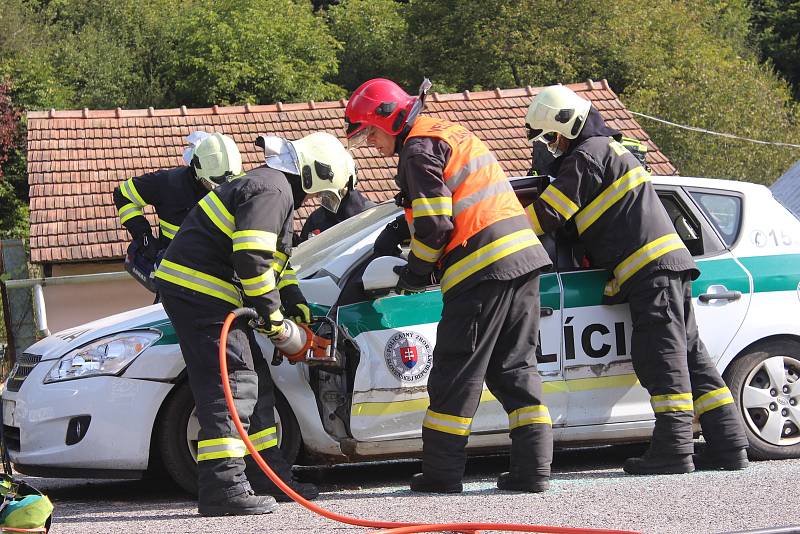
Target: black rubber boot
(731, 460)
(508, 482)
(421, 485)
(247, 503)
(266, 487)
(262, 484)
(662, 464)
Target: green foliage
(685, 61)
(776, 25)
(254, 51)
(13, 213)
(374, 36)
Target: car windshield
(311, 256)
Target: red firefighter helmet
(380, 103)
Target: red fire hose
(389, 527)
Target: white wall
(73, 305)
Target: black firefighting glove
(148, 246)
(295, 305)
(388, 241)
(410, 282)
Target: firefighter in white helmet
(605, 192)
(239, 236)
(210, 160)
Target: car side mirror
(379, 277)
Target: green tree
(687, 61)
(256, 51)
(374, 35)
(13, 180)
(776, 25)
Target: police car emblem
(408, 355)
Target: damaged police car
(110, 398)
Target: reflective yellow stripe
(375, 409)
(218, 213)
(265, 439)
(713, 399)
(559, 202)
(424, 252)
(280, 261)
(534, 219)
(129, 191)
(288, 278)
(259, 285)
(449, 424)
(167, 229)
(128, 211)
(214, 449)
(422, 207)
(529, 415)
(633, 263)
(678, 402)
(597, 207)
(198, 281)
(487, 255)
(254, 240)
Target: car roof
(711, 183)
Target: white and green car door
(600, 380)
(397, 335)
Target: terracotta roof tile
(76, 157)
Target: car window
(687, 227)
(724, 212)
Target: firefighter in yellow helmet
(239, 236)
(172, 192)
(469, 226)
(602, 189)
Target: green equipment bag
(23, 506)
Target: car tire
(178, 452)
(765, 383)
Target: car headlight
(105, 356)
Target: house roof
(787, 189)
(76, 158)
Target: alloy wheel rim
(771, 400)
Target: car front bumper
(110, 417)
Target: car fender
(781, 309)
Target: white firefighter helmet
(556, 109)
(326, 167)
(215, 160)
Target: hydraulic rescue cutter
(314, 344)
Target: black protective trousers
(198, 321)
(488, 333)
(670, 359)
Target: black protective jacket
(172, 192)
(239, 235)
(605, 191)
(322, 219)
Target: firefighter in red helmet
(467, 225)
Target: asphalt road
(588, 490)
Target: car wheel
(178, 429)
(766, 386)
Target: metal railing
(39, 283)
